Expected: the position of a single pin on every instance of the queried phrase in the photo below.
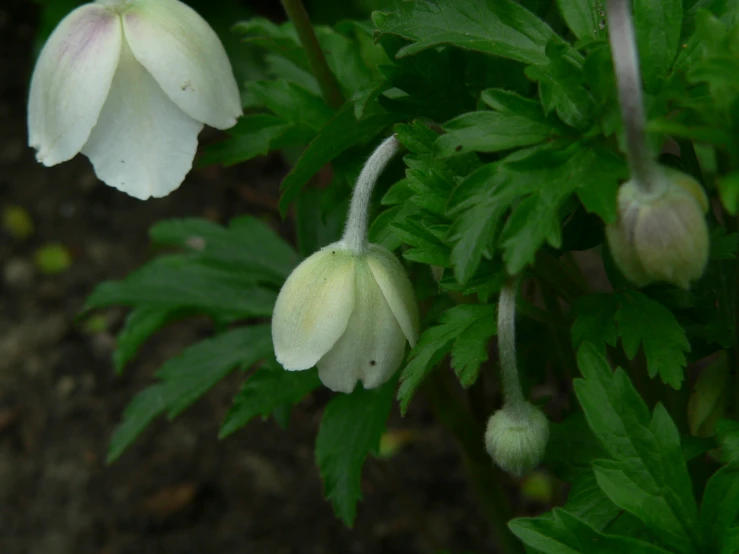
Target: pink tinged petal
(397, 289)
(71, 81)
(143, 144)
(186, 58)
(373, 345)
(313, 308)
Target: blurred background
(178, 489)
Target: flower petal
(372, 347)
(395, 285)
(143, 144)
(313, 308)
(186, 58)
(71, 82)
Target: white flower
(130, 83)
(348, 313)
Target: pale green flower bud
(349, 313)
(130, 84)
(661, 233)
(516, 437)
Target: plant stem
(644, 170)
(512, 394)
(327, 82)
(355, 232)
(484, 477)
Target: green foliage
(351, 428)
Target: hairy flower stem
(644, 170)
(512, 394)
(355, 232)
(327, 82)
(484, 477)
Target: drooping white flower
(349, 308)
(348, 313)
(130, 84)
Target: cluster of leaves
(509, 118)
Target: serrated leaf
(727, 432)
(140, 324)
(646, 474)
(647, 323)
(563, 533)
(186, 377)
(586, 18)
(463, 330)
(719, 508)
(595, 320)
(179, 282)
(255, 135)
(425, 246)
(724, 245)
(338, 135)
(486, 131)
(292, 103)
(498, 27)
(266, 390)
(350, 430)
(572, 447)
(658, 26)
(587, 501)
(248, 245)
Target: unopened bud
(516, 437)
(661, 235)
(707, 402)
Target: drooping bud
(349, 308)
(707, 402)
(516, 438)
(661, 233)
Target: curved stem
(327, 82)
(355, 232)
(512, 394)
(628, 81)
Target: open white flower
(130, 83)
(348, 313)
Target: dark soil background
(179, 489)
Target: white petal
(395, 285)
(372, 347)
(186, 58)
(71, 82)
(313, 308)
(143, 144)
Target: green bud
(516, 437)
(661, 235)
(707, 402)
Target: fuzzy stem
(327, 82)
(512, 394)
(355, 232)
(628, 81)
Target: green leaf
(463, 330)
(292, 103)
(341, 133)
(510, 103)
(643, 321)
(185, 378)
(595, 320)
(719, 508)
(255, 135)
(572, 447)
(497, 27)
(728, 187)
(727, 432)
(266, 390)
(351, 428)
(140, 324)
(486, 131)
(179, 282)
(646, 475)
(586, 18)
(426, 246)
(658, 26)
(587, 501)
(248, 245)
(563, 533)
(724, 245)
